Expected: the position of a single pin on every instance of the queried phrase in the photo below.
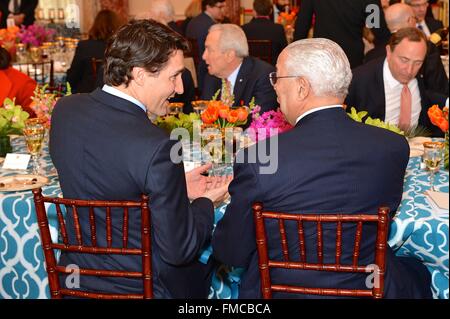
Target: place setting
(34, 134)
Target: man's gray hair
(323, 63)
(410, 1)
(232, 37)
(163, 6)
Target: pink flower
(268, 124)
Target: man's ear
(303, 88)
(138, 74)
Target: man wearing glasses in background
(213, 12)
(427, 23)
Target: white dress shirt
(424, 28)
(232, 77)
(393, 91)
(113, 91)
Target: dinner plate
(16, 183)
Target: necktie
(226, 96)
(405, 109)
(420, 27)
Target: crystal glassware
(175, 108)
(432, 157)
(34, 132)
(199, 106)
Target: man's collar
(317, 109)
(116, 92)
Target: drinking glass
(35, 54)
(175, 108)
(34, 132)
(432, 156)
(199, 106)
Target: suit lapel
(380, 96)
(241, 80)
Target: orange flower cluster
(286, 19)
(439, 117)
(224, 116)
(8, 37)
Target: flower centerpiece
(440, 118)
(12, 121)
(268, 124)
(35, 35)
(44, 102)
(8, 38)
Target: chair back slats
(93, 226)
(338, 243)
(108, 227)
(39, 71)
(62, 225)
(284, 245)
(357, 243)
(261, 49)
(76, 223)
(319, 243)
(72, 206)
(261, 244)
(301, 241)
(125, 228)
(265, 263)
(146, 250)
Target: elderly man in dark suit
(390, 88)
(213, 12)
(400, 16)
(22, 11)
(105, 147)
(226, 56)
(341, 21)
(427, 23)
(261, 27)
(328, 163)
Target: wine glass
(199, 106)
(34, 132)
(432, 156)
(175, 108)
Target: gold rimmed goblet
(199, 106)
(34, 132)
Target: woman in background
(15, 84)
(80, 75)
(193, 9)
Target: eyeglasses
(274, 78)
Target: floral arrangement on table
(8, 38)
(12, 121)
(359, 116)
(222, 115)
(273, 123)
(287, 18)
(440, 118)
(44, 102)
(35, 35)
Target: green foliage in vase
(170, 122)
(12, 118)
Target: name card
(16, 161)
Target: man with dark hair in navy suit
(426, 23)
(213, 12)
(261, 27)
(105, 148)
(226, 56)
(327, 164)
(390, 88)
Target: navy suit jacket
(198, 29)
(327, 164)
(433, 24)
(106, 148)
(341, 21)
(265, 29)
(366, 93)
(27, 7)
(432, 71)
(252, 81)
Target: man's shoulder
(257, 65)
(368, 69)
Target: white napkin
(416, 145)
(438, 202)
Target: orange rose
(210, 115)
(438, 118)
(223, 111)
(242, 114)
(232, 116)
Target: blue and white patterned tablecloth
(416, 231)
(22, 271)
